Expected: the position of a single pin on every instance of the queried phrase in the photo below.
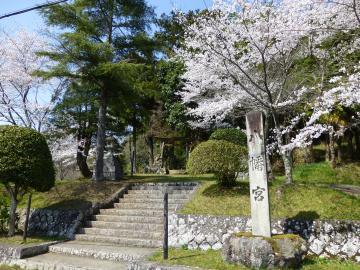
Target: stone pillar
(259, 194)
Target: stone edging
(20, 252)
(138, 265)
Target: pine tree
(100, 43)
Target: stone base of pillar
(279, 251)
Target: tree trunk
(309, 154)
(287, 159)
(332, 150)
(134, 150)
(81, 157)
(266, 136)
(357, 143)
(131, 156)
(288, 165)
(150, 144)
(187, 153)
(162, 148)
(269, 169)
(339, 151)
(26, 225)
(12, 218)
(350, 145)
(286, 154)
(327, 147)
(100, 139)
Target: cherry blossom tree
(25, 99)
(339, 90)
(63, 150)
(242, 55)
(344, 93)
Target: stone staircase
(129, 232)
(137, 219)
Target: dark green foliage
(104, 47)
(172, 31)
(25, 159)
(223, 158)
(169, 76)
(232, 135)
(75, 113)
(4, 214)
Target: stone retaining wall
(53, 222)
(326, 238)
(64, 223)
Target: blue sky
(33, 21)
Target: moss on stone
(244, 234)
(286, 236)
(272, 240)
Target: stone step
(162, 187)
(157, 206)
(142, 234)
(167, 184)
(55, 261)
(158, 192)
(133, 212)
(101, 251)
(123, 241)
(125, 226)
(156, 196)
(128, 219)
(151, 200)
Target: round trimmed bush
(223, 158)
(25, 164)
(231, 135)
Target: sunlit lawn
(296, 201)
(70, 194)
(309, 198)
(322, 173)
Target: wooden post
(27, 218)
(166, 232)
(258, 175)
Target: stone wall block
(326, 238)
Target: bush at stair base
(281, 251)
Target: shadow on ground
(306, 215)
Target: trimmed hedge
(25, 159)
(223, 158)
(232, 135)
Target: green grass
(17, 240)
(211, 259)
(295, 201)
(71, 194)
(324, 264)
(5, 267)
(322, 173)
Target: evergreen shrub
(224, 159)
